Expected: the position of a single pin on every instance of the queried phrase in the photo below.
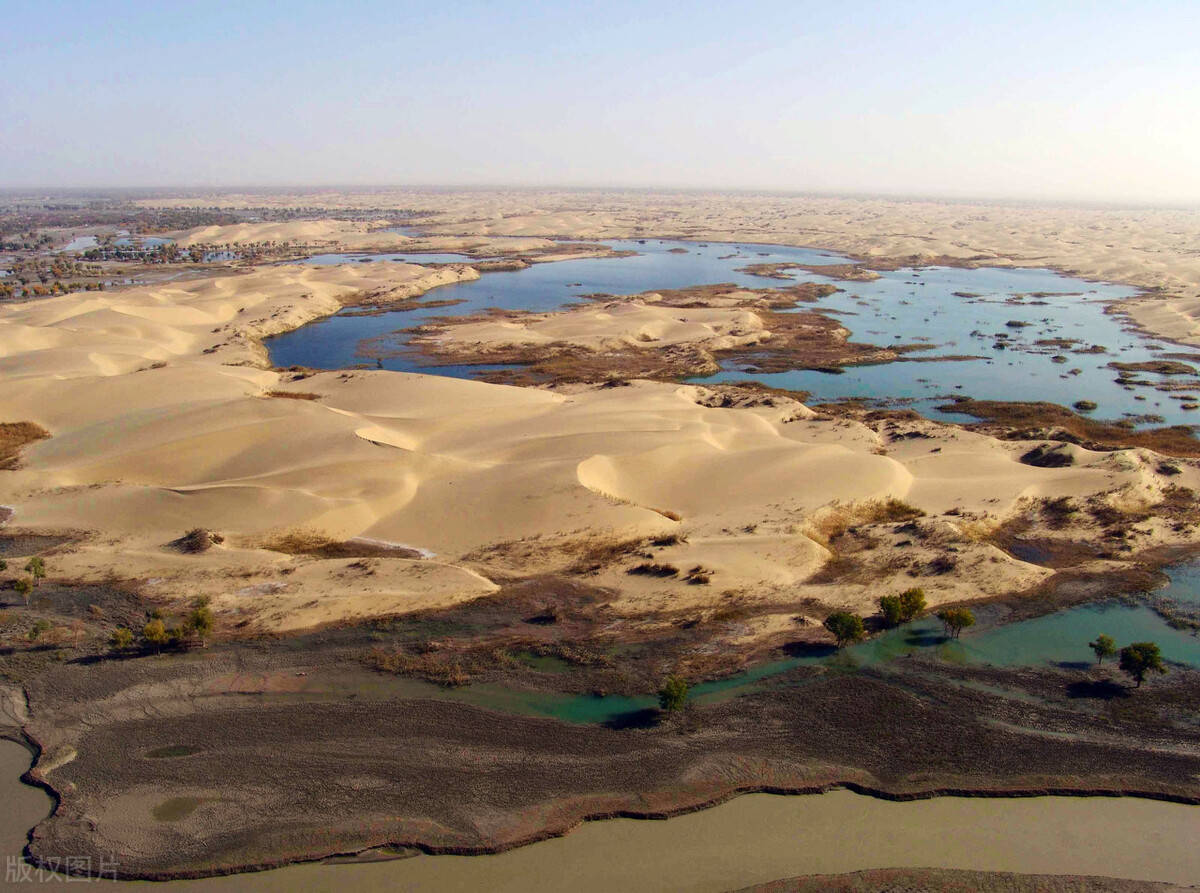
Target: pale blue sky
(1057, 99)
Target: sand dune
(1145, 247)
(609, 325)
(158, 402)
(342, 233)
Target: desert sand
(1147, 247)
(165, 416)
(636, 323)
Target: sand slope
(158, 400)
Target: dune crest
(165, 417)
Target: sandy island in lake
(673, 502)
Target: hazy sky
(1053, 99)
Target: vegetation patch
(651, 569)
(841, 517)
(14, 436)
(196, 540)
(318, 545)
(1049, 421)
(292, 395)
(1046, 455)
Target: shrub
(902, 608)
(955, 620)
(650, 569)
(38, 629)
(121, 639)
(155, 634)
(846, 627)
(197, 540)
(199, 622)
(673, 694)
(912, 603)
(36, 568)
(889, 607)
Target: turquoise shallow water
(1058, 639)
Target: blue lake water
(910, 306)
(142, 241)
(80, 243)
(402, 258)
(333, 342)
(993, 307)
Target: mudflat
(355, 529)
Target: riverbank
(832, 832)
(445, 528)
(188, 792)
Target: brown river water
(751, 839)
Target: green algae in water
(544, 663)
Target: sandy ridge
(157, 400)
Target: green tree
(1104, 646)
(1141, 658)
(199, 622)
(673, 695)
(36, 567)
(3, 565)
(121, 639)
(25, 588)
(155, 633)
(891, 609)
(912, 603)
(846, 627)
(955, 620)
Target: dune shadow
(1101, 689)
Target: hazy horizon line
(196, 190)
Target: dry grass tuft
(14, 436)
(594, 555)
(443, 669)
(197, 540)
(650, 569)
(840, 517)
(317, 545)
(292, 395)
